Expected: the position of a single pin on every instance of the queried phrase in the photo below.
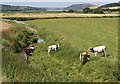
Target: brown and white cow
(84, 57)
(53, 47)
(28, 51)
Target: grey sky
(54, 3)
(59, 0)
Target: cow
(28, 51)
(84, 57)
(53, 48)
(98, 49)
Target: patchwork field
(52, 15)
(74, 36)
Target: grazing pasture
(74, 35)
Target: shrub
(87, 10)
(98, 10)
(23, 38)
(5, 42)
(71, 11)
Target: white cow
(53, 47)
(98, 49)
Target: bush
(87, 10)
(71, 11)
(5, 43)
(98, 10)
(23, 38)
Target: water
(40, 40)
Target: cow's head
(91, 49)
(31, 50)
(84, 59)
(58, 46)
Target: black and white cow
(53, 47)
(98, 49)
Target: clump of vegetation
(87, 10)
(23, 38)
(97, 10)
(20, 18)
(71, 11)
(5, 43)
(9, 8)
(20, 36)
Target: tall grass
(80, 34)
(74, 35)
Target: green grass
(83, 33)
(74, 35)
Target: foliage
(97, 10)
(87, 10)
(21, 18)
(5, 43)
(10, 8)
(111, 10)
(23, 38)
(71, 11)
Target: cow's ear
(91, 48)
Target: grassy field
(74, 35)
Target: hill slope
(110, 5)
(10, 8)
(78, 6)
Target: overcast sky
(57, 3)
(59, 0)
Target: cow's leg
(27, 58)
(104, 53)
(88, 58)
(95, 53)
(48, 51)
(80, 56)
(55, 49)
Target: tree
(71, 11)
(98, 10)
(87, 10)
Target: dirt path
(4, 25)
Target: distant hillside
(79, 6)
(9, 8)
(53, 9)
(110, 5)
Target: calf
(28, 51)
(84, 57)
(98, 49)
(52, 47)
